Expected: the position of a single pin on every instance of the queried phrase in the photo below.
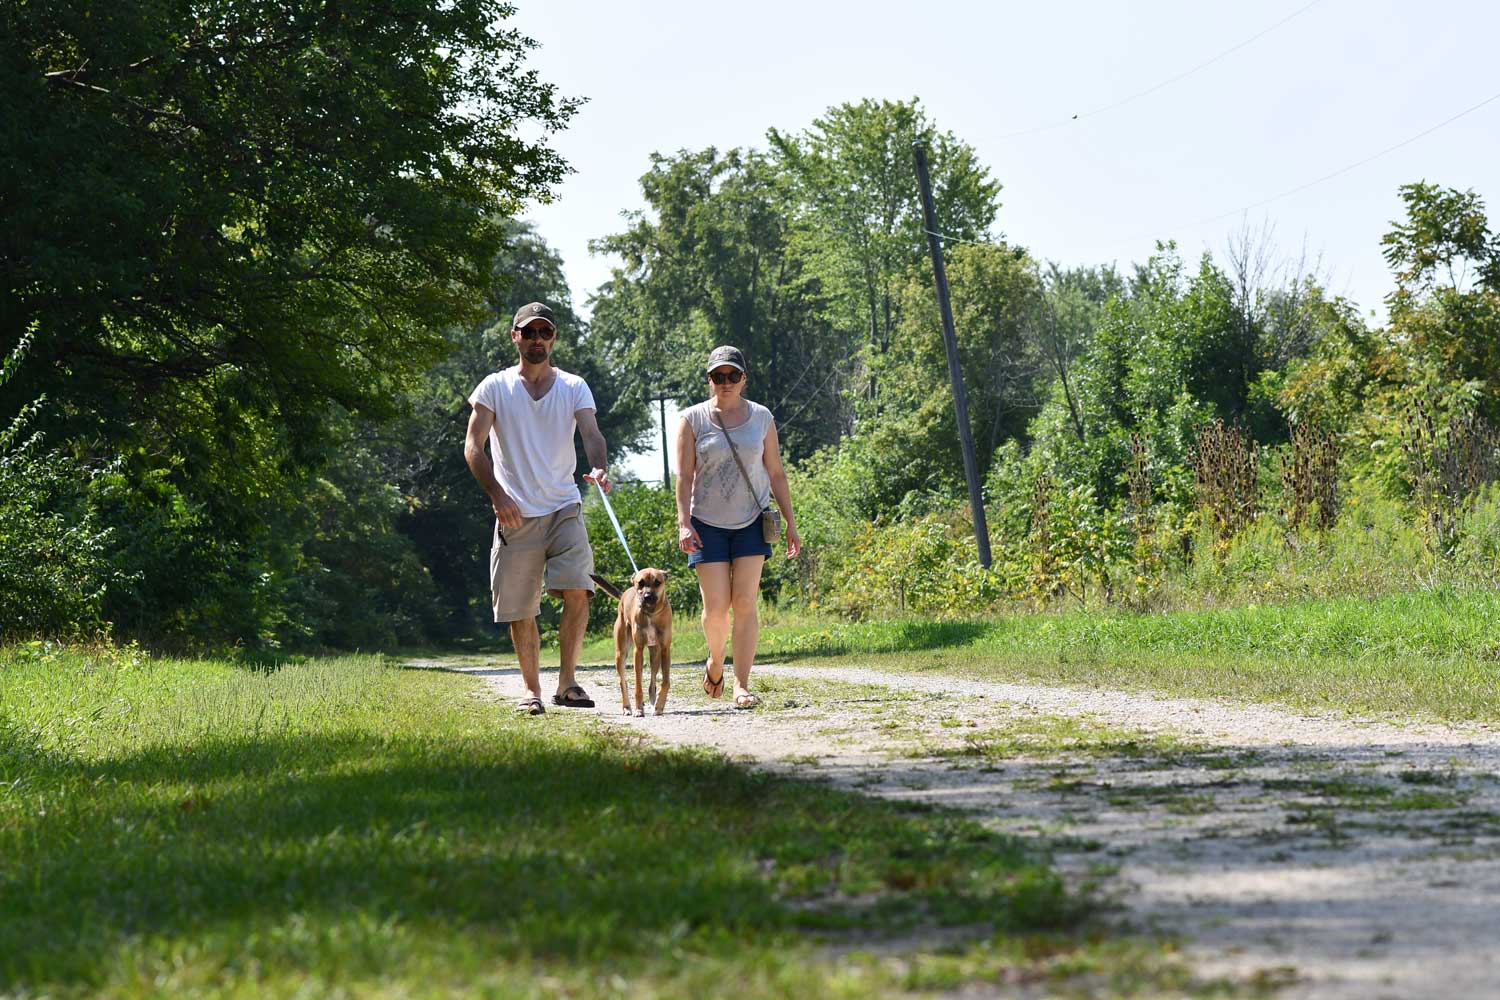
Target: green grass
(344, 825)
(1430, 654)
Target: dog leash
(618, 532)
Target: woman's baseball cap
(725, 355)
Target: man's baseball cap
(725, 355)
(533, 311)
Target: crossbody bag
(770, 517)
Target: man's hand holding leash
(599, 478)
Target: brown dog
(644, 621)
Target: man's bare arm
(594, 447)
(480, 422)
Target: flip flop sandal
(744, 702)
(712, 688)
(582, 700)
(530, 706)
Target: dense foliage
(242, 231)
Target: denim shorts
(728, 544)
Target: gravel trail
(1332, 857)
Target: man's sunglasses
(538, 333)
(732, 377)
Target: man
(528, 413)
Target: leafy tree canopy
(290, 200)
(1446, 306)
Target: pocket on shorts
(570, 558)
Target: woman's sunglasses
(719, 378)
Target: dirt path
(1336, 857)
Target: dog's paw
(661, 710)
(641, 712)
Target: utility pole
(955, 374)
(666, 466)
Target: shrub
(1074, 547)
(648, 516)
(53, 565)
(928, 565)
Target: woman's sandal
(746, 701)
(713, 688)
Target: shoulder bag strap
(735, 452)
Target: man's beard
(536, 354)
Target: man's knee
(573, 598)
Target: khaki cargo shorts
(553, 548)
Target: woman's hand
(687, 538)
(793, 541)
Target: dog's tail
(606, 586)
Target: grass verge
(192, 828)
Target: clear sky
(1336, 82)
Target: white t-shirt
(531, 440)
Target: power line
(813, 398)
(947, 238)
(1326, 177)
(1164, 83)
(958, 239)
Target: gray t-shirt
(720, 496)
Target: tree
(714, 263)
(1446, 305)
(52, 564)
(235, 224)
(1067, 312)
(297, 196)
(857, 193)
(797, 256)
(913, 445)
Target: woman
(718, 513)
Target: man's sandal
(573, 696)
(746, 701)
(713, 688)
(530, 706)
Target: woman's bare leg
(745, 599)
(713, 582)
